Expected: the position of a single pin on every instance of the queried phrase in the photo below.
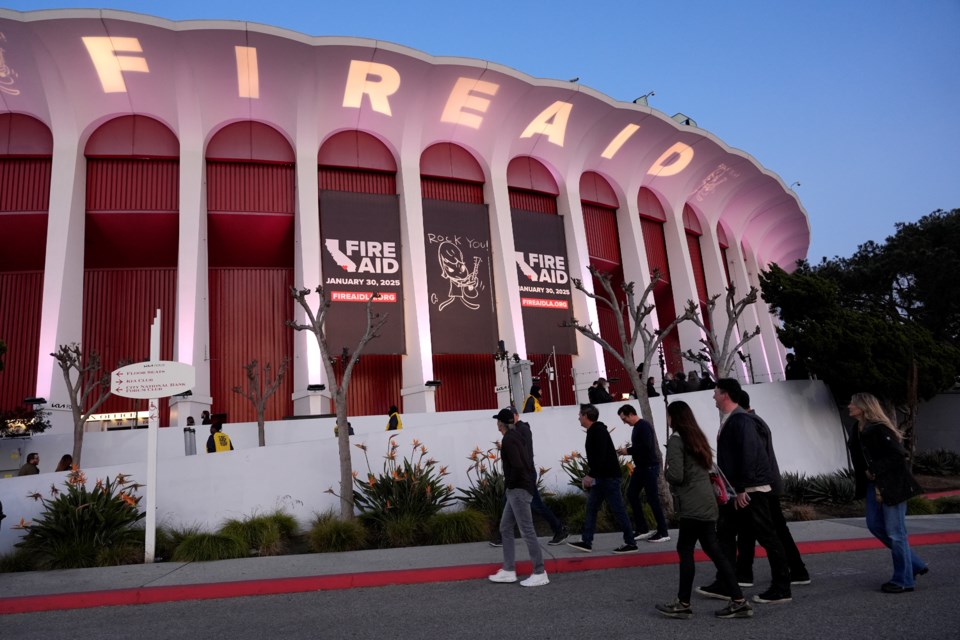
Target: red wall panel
(25, 184)
(564, 379)
(656, 246)
(20, 303)
(603, 239)
(132, 185)
(248, 309)
(335, 179)
(696, 260)
(468, 381)
(454, 190)
(250, 187)
(374, 385)
(118, 309)
(533, 201)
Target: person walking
(518, 477)
(689, 461)
(645, 476)
(602, 480)
(883, 477)
(746, 540)
(742, 456)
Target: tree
(722, 354)
(640, 334)
(259, 393)
(316, 326)
(852, 345)
(87, 387)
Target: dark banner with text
(543, 276)
(360, 233)
(463, 314)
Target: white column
(773, 364)
(192, 324)
(307, 363)
(750, 318)
(636, 267)
(716, 278)
(418, 363)
(682, 280)
(588, 364)
(61, 319)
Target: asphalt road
(844, 601)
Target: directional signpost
(150, 381)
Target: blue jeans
(517, 513)
(646, 479)
(606, 489)
(888, 524)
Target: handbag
(722, 489)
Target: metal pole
(153, 425)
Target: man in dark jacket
(743, 458)
(645, 477)
(598, 393)
(746, 540)
(518, 476)
(560, 532)
(602, 480)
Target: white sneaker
(535, 580)
(645, 536)
(504, 576)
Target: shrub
(920, 506)
(261, 534)
(574, 465)
(405, 494)
(487, 491)
(329, 533)
(286, 523)
(402, 530)
(947, 504)
(802, 512)
(826, 488)
(17, 561)
(204, 547)
(454, 527)
(169, 539)
(794, 487)
(79, 523)
(937, 463)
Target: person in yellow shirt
(394, 423)
(218, 441)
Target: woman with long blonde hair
(884, 479)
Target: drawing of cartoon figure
(463, 284)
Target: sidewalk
(172, 581)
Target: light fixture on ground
(316, 387)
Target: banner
(544, 278)
(360, 233)
(463, 313)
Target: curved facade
(202, 168)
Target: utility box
(521, 379)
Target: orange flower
(35, 496)
(356, 474)
(371, 479)
(362, 446)
(128, 499)
(416, 443)
(423, 449)
(443, 471)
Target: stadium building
(203, 168)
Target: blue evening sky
(855, 99)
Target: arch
(529, 174)
(649, 205)
(595, 189)
(691, 221)
(133, 136)
(355, 149)
(250, 141)
(451, 162)
(24, 136)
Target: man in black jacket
(560, 532)
(743, 458)
(602, 480)
(518, 476)
(645, 477)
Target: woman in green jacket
(688, 465)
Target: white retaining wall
(300, 461)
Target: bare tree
(649, 341)
(721, 353)
(87, 386)
(316, 321)
(259, 393)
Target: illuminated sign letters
(552, 122)
(248, 74)
(109, 65)
(377, 81)
(461, 97)
(673, 161)
(625, 134)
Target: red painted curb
(941, 494)
(273, 586)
